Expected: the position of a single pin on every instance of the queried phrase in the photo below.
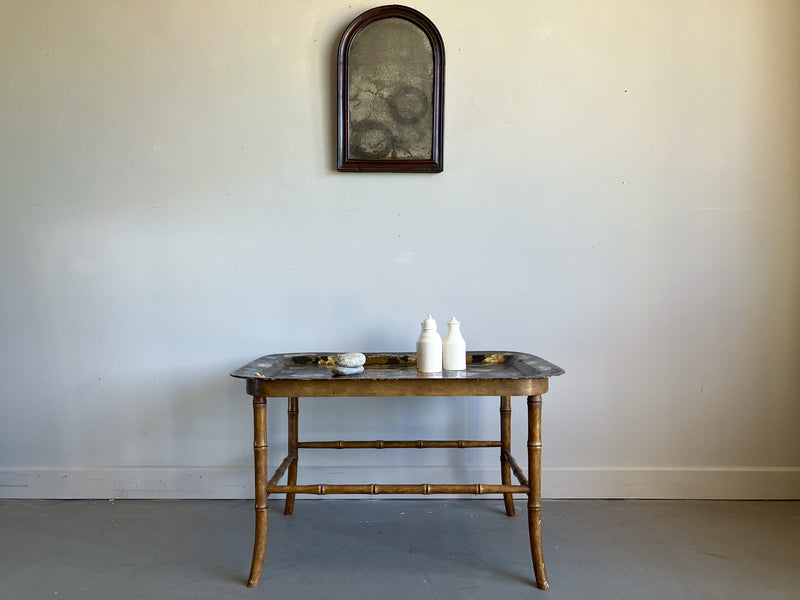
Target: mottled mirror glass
(391, 92)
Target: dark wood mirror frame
(433, 162)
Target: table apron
(330, 388)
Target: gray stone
(347, 370)
(351, 359)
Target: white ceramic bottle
(429, 348)
(454, 348)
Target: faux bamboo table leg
(294, 413)
(505, 450)
(535, 489)
(262, 507)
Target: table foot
(288, 504)
(259, 547)
(509, 502)
(537, 554)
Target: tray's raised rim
(271, 367)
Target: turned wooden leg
(262, 508)
(505, 450)
(294, 413)
(535, 489)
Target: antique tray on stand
(504, 374)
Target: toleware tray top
(394, 366)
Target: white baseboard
(730, 483)
(762, 483)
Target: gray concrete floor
(399, 549)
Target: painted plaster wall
(621, 195)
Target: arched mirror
(391, 93)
